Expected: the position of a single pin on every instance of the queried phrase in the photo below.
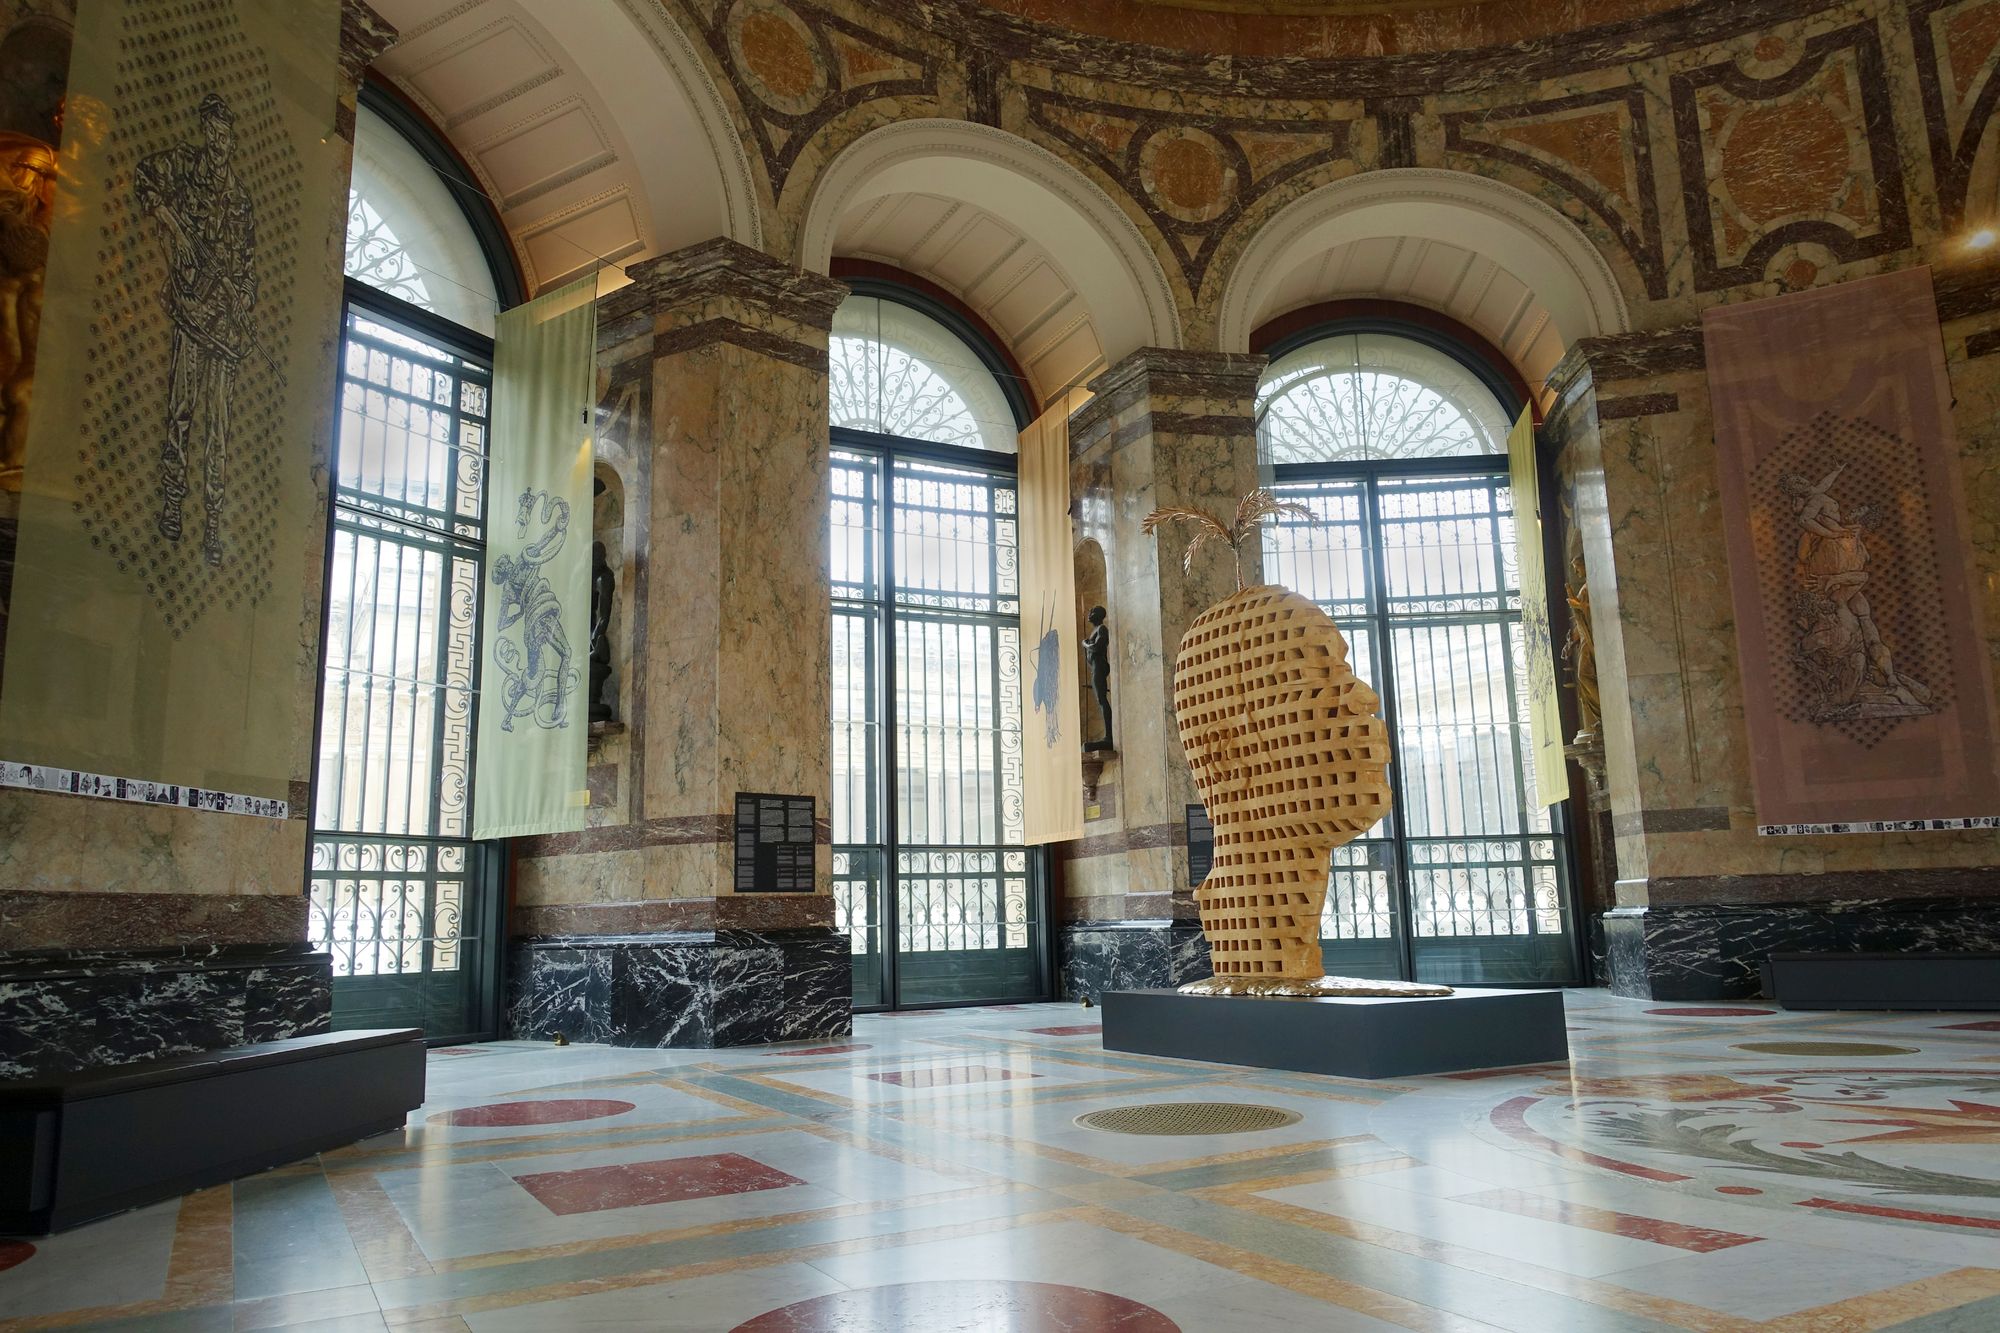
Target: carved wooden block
(1291, 758)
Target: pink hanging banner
(1866, 692)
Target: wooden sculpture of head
(1291, 756)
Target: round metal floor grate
(1189, 1118)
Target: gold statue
(27, 195)
(1291, 758)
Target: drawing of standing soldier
(203, 212)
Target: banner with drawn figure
(1052, 740)
(160, 628)
(1866, 691)
(534, 713)
(1545, 729)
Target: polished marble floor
(1705, 1167)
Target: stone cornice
(726, 271)
(1155, 373)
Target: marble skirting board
(1714, 951)
(69, 1009)
(692, 989)
(1100, 956)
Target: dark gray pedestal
(1922, 981)
(1358, 1037)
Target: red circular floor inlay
(1714, 1013)
(1737, 1189)
(14, 1252)
(970, 1306)
(559, 1112)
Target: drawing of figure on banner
(531, 649)
(1048, 682)
(203, 211)
(1846, 663)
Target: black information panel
(774, 843)
(1201, 845)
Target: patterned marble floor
(1705, 1167)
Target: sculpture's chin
(1307, 987)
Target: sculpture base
(1310, 987)
(1351, 1036)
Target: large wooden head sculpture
(1291, 757)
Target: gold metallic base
(1310, 986)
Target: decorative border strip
(1880, 826)
(71, 782)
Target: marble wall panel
(1713, 952)
(70, 1009)
(683, 989)
(1100, 956)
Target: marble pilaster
(1701, 898)
(132, 931)
(1161, 428)
(713, 414)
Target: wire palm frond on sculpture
(1291, 756)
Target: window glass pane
(895, 371)
(407, 236)
(1374, 396)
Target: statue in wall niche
(1847, 665)
(27, 195)
(1097, 657)
(1291, 757)
(1579, 653)
(603, 588)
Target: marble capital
(722, 291)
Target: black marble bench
(1921, 981)
(77, 1147)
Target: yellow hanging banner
(1052, 730)
(161, 636)
(1544, 706)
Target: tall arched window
(931, 878)
(1394, 437)
(398, 893)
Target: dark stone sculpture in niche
(1097, 656)
(603, 587)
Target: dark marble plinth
(68, 1009)
(1711, 951)
(691, 989)
(1101, 956)
(1349, 1036)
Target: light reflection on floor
(1709, 1167)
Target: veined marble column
(712, 370)
(1701, 898)
(1162, 428)
(131, 931)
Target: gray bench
(1922, 981)
(81, 1146)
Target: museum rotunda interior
(1000, 665)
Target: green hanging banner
(534, 716)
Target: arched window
(396, 888)
(894, 370)
(1378, 397)
(407, 235)
(932, 881)
(1395, 438)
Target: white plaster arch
(635, 102)
(1097, 245)
(1516, 231)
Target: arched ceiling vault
(596, 132)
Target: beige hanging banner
(158, 630)
(1052, 739)
(534, 639)
(1867, 700)
(1545, 729)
